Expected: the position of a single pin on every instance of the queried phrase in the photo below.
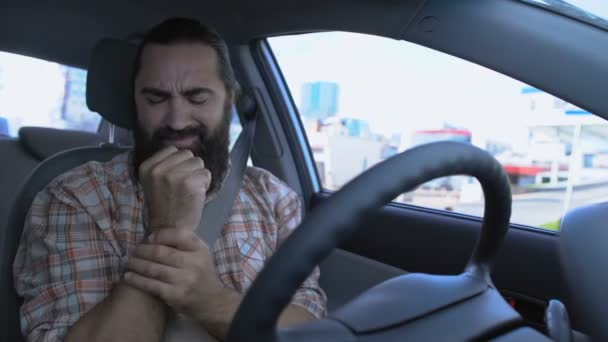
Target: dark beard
(212, 147)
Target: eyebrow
(196, 91)
(188, 92)
(155, 92)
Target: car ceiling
(554, 53)
(66, 30)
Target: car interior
(390, 271)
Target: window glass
(35, 92)
(235, 129)
(362, 99)
(591, 11)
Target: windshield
(594, 12)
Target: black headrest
(109, 81)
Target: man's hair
(186, 30)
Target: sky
(399, 86)
(597, 7)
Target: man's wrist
(123, 291)
(218, 305)
(154, 227)
(217, 313)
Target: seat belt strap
(215, 212)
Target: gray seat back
(20, 156)
(17, 163)
(42, 175)
(108, 93)
(43, 142)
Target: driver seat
(108, 93)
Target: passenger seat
(19, 156)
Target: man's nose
(179, 116)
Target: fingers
(149, 285)
(172, 161)
(150, 269)
(162, 254)
(190, 164)
(189, 167)
(198, 179)
(183, 165)
(157, 158)
(184, 240)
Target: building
(319, 100)
(563, 141)
(333, 142)
(446, 134)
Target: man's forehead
(183, 62)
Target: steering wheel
(412, 306)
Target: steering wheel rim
(327, 227)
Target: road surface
(538, 208)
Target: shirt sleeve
(64, 265)
(309, 295)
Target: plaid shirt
(81, 227)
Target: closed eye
(154, 99)
(155, 96)
(198, 95)
(198, 99)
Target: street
(535, 209)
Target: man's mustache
(168, 133)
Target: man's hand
(175, 184)
(177, 267)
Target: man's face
(181, 100)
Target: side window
(235, 129)
(362, 99)
(35, 92)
